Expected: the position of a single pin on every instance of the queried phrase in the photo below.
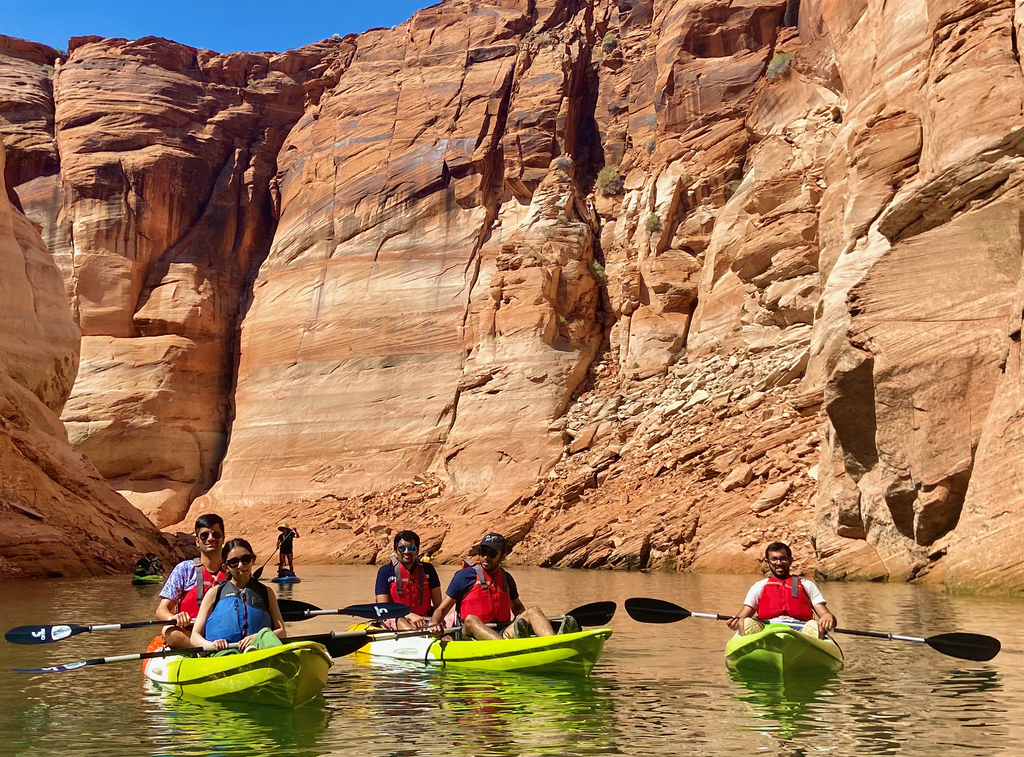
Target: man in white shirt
(783, 598)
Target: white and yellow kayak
(571, 653)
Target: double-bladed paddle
(291, 610)
(965, 646)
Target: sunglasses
(488, 552)
(235, 562)
(206, 535)
(407, 548)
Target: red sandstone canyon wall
(382, 281)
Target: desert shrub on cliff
(778, 64)
(653, 223)
(597, 271)
(609, 43)
(48, 70)
(651, 146)
(609, 183)
(563, 163)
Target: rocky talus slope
(645, 283)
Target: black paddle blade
(345, 646)
(294, 606)
(966, 646)
(646, 610)
(377, 611)
(42, 634)
(594, 614)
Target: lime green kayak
(138, 580)
(570, 653)
(285, 676)
(784, 650)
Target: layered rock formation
(622, 278)
(57, 514)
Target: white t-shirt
(754, 596)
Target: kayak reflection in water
(783, 598)
(484, 592)
(241, 610)
(407, 580)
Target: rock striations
(645, 284)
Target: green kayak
(284, 676)
(782, 649)
(147, 580)
(570, 653)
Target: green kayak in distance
(286, 676)
(147, 580)
(562, 654)
(783, 650)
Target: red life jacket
(403, 592)
(204, 582)
(488, 598)
(784, 598)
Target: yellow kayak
(286, 676)
(782, 649)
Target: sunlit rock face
(57, 515)
(645, 284)
(921, 248)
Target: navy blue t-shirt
(464, 579)
(386, 577)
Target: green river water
(658, 690)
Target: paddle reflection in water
(179, 727)
(473, 712)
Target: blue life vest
(238, 612)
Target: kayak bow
(784, 650)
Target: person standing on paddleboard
(784, 598)
(484, 592)
(408, 581)
(183, 590)
(285, 541)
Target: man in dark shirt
(485, 593)
(407, 580)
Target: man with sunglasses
(183, 592)
(409, 581)
(484, 592)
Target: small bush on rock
(609, 43)
(778, 64)
(653, 223)
(609, 183)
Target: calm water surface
(658, 690)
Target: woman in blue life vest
(241, 610)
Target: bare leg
(474, 628)
(177, 638)
(537, 620)
(291, 565)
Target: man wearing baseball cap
(484, 592)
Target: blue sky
(221, 25)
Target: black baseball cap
(494, 541)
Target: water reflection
(178, 727)
(477, 712)
(788, 703)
